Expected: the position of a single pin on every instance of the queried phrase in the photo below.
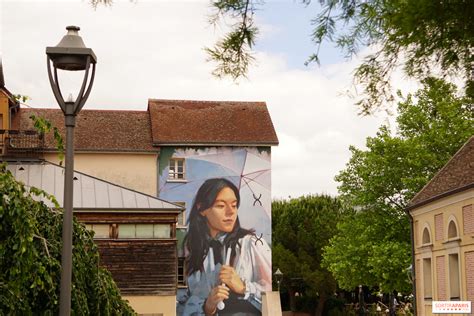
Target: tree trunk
(321, 302)
(292, 300)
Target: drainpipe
(412, 237)
(158, 173)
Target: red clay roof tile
(97, 130)
(458, 173)
(175, 122)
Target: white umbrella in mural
(248, 168)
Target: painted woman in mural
(225, 262)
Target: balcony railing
(21, 143)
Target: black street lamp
(278, 277)
(70, 54)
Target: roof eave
(439, 196)
(10, 97)
(104, 151)
(440, 171)
(207, 144)
(128, 210)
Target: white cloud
(154, 49)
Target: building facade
(162, 154)
(443, 226)
(207, 141)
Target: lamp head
(71, 53)
(278, 275)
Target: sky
(154, 49)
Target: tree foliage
(370, 248)
(374, 245)
(232, 53)
(420, 35)
(301, 228)
(30, 251)
(44, 126)
(431, 126)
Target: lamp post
(278, 277)
(70, 54)
(409, 272)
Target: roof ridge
(204, 101)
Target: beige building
(443, 231)
(109, 144)
(119, 157)
(116, 167)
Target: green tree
(301, 228)
(373, 247)
(419, 35)
(370, 248)
(30, 251)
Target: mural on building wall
(227, 240)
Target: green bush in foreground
(30, 259)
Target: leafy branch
(425, 37)
(44, 126)
(30, 254)
(232, 54)
(21, 98)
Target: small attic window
(426, 239)
(452, 230)
(177, 169)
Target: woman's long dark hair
(197, 238)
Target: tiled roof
(175, 122)
(456, 175)
(89, 192)
(97, 130)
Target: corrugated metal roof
(89, 192)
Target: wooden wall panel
(141, 266)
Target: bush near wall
(30, 258)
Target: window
(426, 239)
(452, 230)
(181, 216)
(181, 272)
(454, 284)
(177, 169)
(427, 281)
(146, 231)
(100, 230)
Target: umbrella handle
(221, 304)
